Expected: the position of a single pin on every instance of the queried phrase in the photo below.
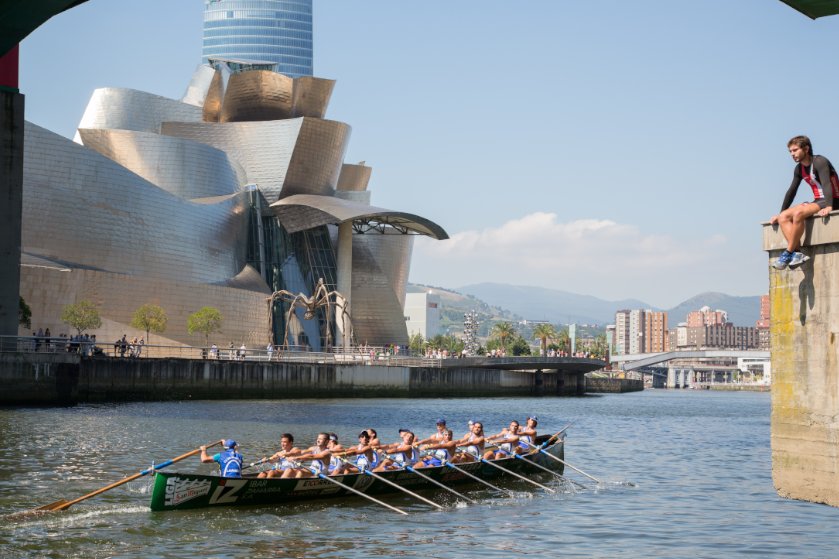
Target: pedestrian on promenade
(821, 176)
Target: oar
(347, 487)
(257, 463)
(514, 474)
(553, 437)
(532, 463)
(388, 482)
(476, 478)
(64, 504)
(432, 480)
(561, 461)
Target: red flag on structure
(9, 68)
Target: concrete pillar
(344, 283)
(671, 378)
(11, 207)
(804, 342)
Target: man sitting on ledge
(817, 172)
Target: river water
(684, 474)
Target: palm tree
(563, 340)
(543, 333)
(504, 331)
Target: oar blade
(58, 505)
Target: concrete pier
(805, 353)
(11, 204)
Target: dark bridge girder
(560, 364)
(20, 18)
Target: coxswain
(320, 456)
(281, 457)
(229, 461)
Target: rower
(320, 456)
(444, 451)
(474, 444)
(334, 447)
(281, 457)
(374, 438)
(404, 453)
(468, 428)
(527, 435)
(366, 457)
(229, 461)
(437, 437)
(510, 436)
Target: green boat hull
(177, 491)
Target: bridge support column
(11, 207)
(804, 335)
(671, 378)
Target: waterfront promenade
(65, 378)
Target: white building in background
(422, 314)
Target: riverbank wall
(804, 338)
(597, 385)
(67, 379)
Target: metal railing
(362, 355)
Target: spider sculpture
(321, 298)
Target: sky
(614, 148)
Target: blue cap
(441, 421)
(229, 443)
(534, 418)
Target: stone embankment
(65, 379)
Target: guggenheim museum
(220, 199)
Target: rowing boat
(175, 491)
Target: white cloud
(588, 256)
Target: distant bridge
(527, 363)
(634, 361)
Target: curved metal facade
(168, 202)
(129, 109)
(278, 31)
(284, 157)
(84, 209)
(181, 167)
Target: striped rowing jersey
(817, 175)
(809, 175)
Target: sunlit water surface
(684, 474)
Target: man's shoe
(797, 260)
(783, 261)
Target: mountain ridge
(565, 307)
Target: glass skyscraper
(278, 31)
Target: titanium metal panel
(182, 167)
(257, 95)
(215, 94)
(199, 85)
(377, 314)
(311, 96)
(85, 210)
(283, 157)
(317, 158)
(129, 109)
(305, 211)
(354, 178)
